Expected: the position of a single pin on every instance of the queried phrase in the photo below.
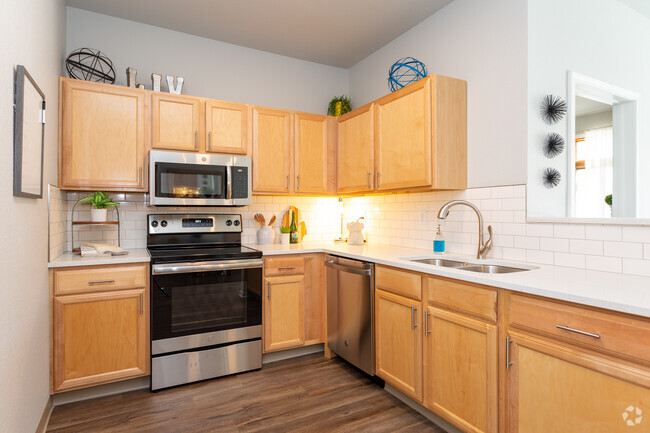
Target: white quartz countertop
(619, 292)
(70, 259)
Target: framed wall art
(29, 135)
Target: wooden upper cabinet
(314, 154)
(403, 138)
(226, 127)
(272, 150)
(175, 122)
(102, 137)
(356, 151)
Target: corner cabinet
(356, 151)
(100, 325)
(315, 154)
(102, 135)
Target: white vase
(98, 215)
(284, 238)
(265, 235)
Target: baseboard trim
(421, 410)
(291, 353)
(101, 390)
(45, 418)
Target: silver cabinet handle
(196, 139)
(368, 178)
(426, 323)
(508, 363)
(282, 268)
(101, 281)
(141, 308)
(376, 179)
(268, 290)
(287, 182)
(413, 310)
(140, 176)
(209, 139)
(297, 182)
(578, 331)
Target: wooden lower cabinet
(284, 312)
(554, 387)
(460, 370)
(398, 342)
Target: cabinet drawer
(461, 296)
(399, 282)
(284, 265)
(99, 279)
(617, 334)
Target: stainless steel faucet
(483, 248)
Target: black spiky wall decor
(553, 145)
(553, 109)
(551, 178)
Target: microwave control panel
(239, 182)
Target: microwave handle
(228, 182)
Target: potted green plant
(285, 232)
(100, 202)
(338, 106)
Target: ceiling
(641, 6)
(333, 32)
(586, 106)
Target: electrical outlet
(423, 217)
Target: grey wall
(32, 34)
(484, 43)
(588, 122)
(211, 68)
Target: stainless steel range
(206, 299)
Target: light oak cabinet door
(460, 370)
(272, 150)
(398, 342)
(284, 312)
(100, 338)
(102, 137)
(226, 127)
(557, 388)
(175, 122)
(313, 136)
(356, 151)
(403, 142)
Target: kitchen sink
(442, 262)
(492, 269)
(472, 267)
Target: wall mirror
(597, 60)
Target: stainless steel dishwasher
(350, 300)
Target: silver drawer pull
(578, 331)
(286, 268)
(413, 310)
(101, 282)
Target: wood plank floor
(306, 394)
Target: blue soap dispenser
(438, 242)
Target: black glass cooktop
(202, 253)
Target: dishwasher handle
(349, 269)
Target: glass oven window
(190, 181)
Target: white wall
(484, 43)
(32, 34)
(602, 39)
(211, 68)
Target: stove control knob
(229, 223)
(236, 223)
(154, 223)
(163, 223)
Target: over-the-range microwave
(195, 179)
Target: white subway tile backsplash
(542, 257)
(554, 244)
(628, 250)
(569, 231)
(636, 234)
(526, 242)
(570, 260)
(607, 264)
(541, 230)
(586, 247)
(636, 267)
(646, 249)
(603, 233)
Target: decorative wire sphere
(90, 65)
(404, 72)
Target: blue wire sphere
(404, 72)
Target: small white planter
(98, 215)
(265, 235)
(284, 238)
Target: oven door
(205, 304)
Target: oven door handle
(224, 265)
